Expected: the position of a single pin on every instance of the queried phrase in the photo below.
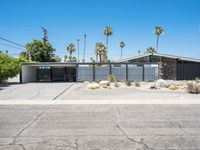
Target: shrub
(137, 84)
(174, 87)
(9, 66)
(193, 87)
(128, 83)
(116, 84)
(111, 78)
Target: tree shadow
(7, 84)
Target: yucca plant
(137, 84)
(128, 83)
(111, 78)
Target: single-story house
(170, 66)
(73, 72)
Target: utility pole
(78, 49)
(45, 38)
(84, 47)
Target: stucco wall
(28, 74)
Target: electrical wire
(11, 42)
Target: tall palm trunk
(157, 42)
(107, 41)
(70, 56)
(100, 58)
(121, 52)
(84, 47)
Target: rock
(155, 86)
(161, 83)
(102, 83)
(93, 86)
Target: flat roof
(75, 63)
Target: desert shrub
(193, 87)
(128, 83)
(174, 87)
(137, 84)
(116, 84)
(111, 78)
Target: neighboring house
(171, 67)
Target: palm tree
(151, 50)
(158, 31)
(85, 36)
(100, 50)
(107, 32)
(71, 48)
(122, 45)
(65, 58)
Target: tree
(65, 58)
(100, 50)
(151, 50)
(158, 31)
(40, 51)
(122, 45)
(107, 32)
(24, 54)
(9, 66)
(71, 48)
(57, 59)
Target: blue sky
(132, 21)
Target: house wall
(28, 74)
(168, 68)
(188, 70)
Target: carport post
(110, 67)
(77, 77)
(94, 73)
(143, 73)
(20, 77)
(126, 72)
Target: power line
(11, 46)
(11, 42)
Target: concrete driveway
(100, 127)
(33, 91)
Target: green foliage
(128, 83)
(71, 48)
(100, 50)
(111, 78)
(116, 84)
(108, 31)
(158, 31)
(137, 84)
(40, 52)
(24, 54)
(9, 66)
(57, 59)
(151, 50)
(122, 44)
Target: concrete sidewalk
(98, 102)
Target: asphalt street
(100, 127)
